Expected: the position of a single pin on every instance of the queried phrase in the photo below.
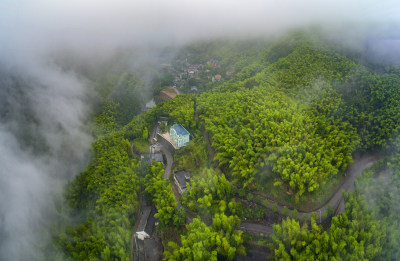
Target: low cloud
(44, 108)
(99, 26)
(43, 143)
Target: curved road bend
(354, 170)
(170, 160)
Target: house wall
(177, 184)
(181, 141)
(165, 143)
(172, 134)
(184, 140)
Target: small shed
(182, 178)
(179, 135)
(167, 94)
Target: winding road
(355, 169)
(336, 201)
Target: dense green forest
(304, 144)
(369, 229)
(291, 112)
(379, 188)
(354, 235)
(103, 201)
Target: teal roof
(180, 130)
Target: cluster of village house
(195, 71)
(201, 73)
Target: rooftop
(169, 92)
(180, 130)
(182, 177)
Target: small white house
(146, 224)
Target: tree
(275, 208)
(160, 191)
(330, 211)
(304, 146)
(314, 215)
(210, 193)
(354, 235)
(197, 244)
(304, 218)
(205, 243)
(180, 218)
(105, 193)
(285, 210)
(145, 135)
(295, 214)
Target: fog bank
(44, 108)
(43, 143)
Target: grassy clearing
(193, 157)
(141, 145)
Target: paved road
(159, 147)
(155, 130)
(354, 170)
(258, 228)
(170, 160)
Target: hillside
(281, 124)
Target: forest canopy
(293, 110)
(303, 143)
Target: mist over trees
(78, 73)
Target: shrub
(330, 211)
(275, 208)
(285, 211)
(295, 214)
(304, 218)
(314, 216)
